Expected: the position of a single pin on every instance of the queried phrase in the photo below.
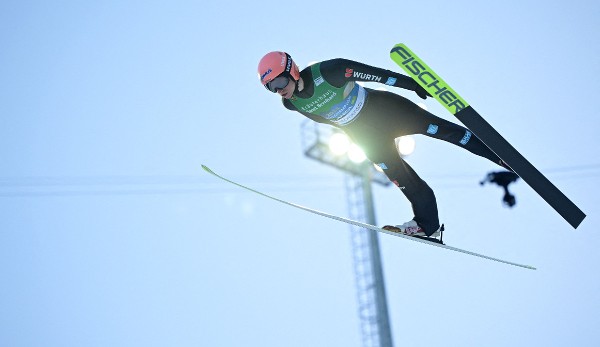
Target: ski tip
(207, 169)
(396, 46)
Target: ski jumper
(374, 119)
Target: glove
(422, 93)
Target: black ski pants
(386, 116)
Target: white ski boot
(411, 228)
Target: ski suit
(374, 119)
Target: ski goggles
(278, 83)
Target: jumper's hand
(422, 93)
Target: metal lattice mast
(372, 305)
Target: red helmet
(274, 64)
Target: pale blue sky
(112, 235)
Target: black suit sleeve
(339, 71)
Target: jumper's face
(288, 90)
(282, 85)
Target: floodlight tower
(372, 304)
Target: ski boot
(411, 228)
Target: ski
(368, 226)
(456, 105)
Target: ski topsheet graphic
(367, 226)
(456, 105)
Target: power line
(123, 185)
(574, 168)
(123, 190)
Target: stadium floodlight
(339, 143)
(356, 154)
(406, 145)
(331, 146)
